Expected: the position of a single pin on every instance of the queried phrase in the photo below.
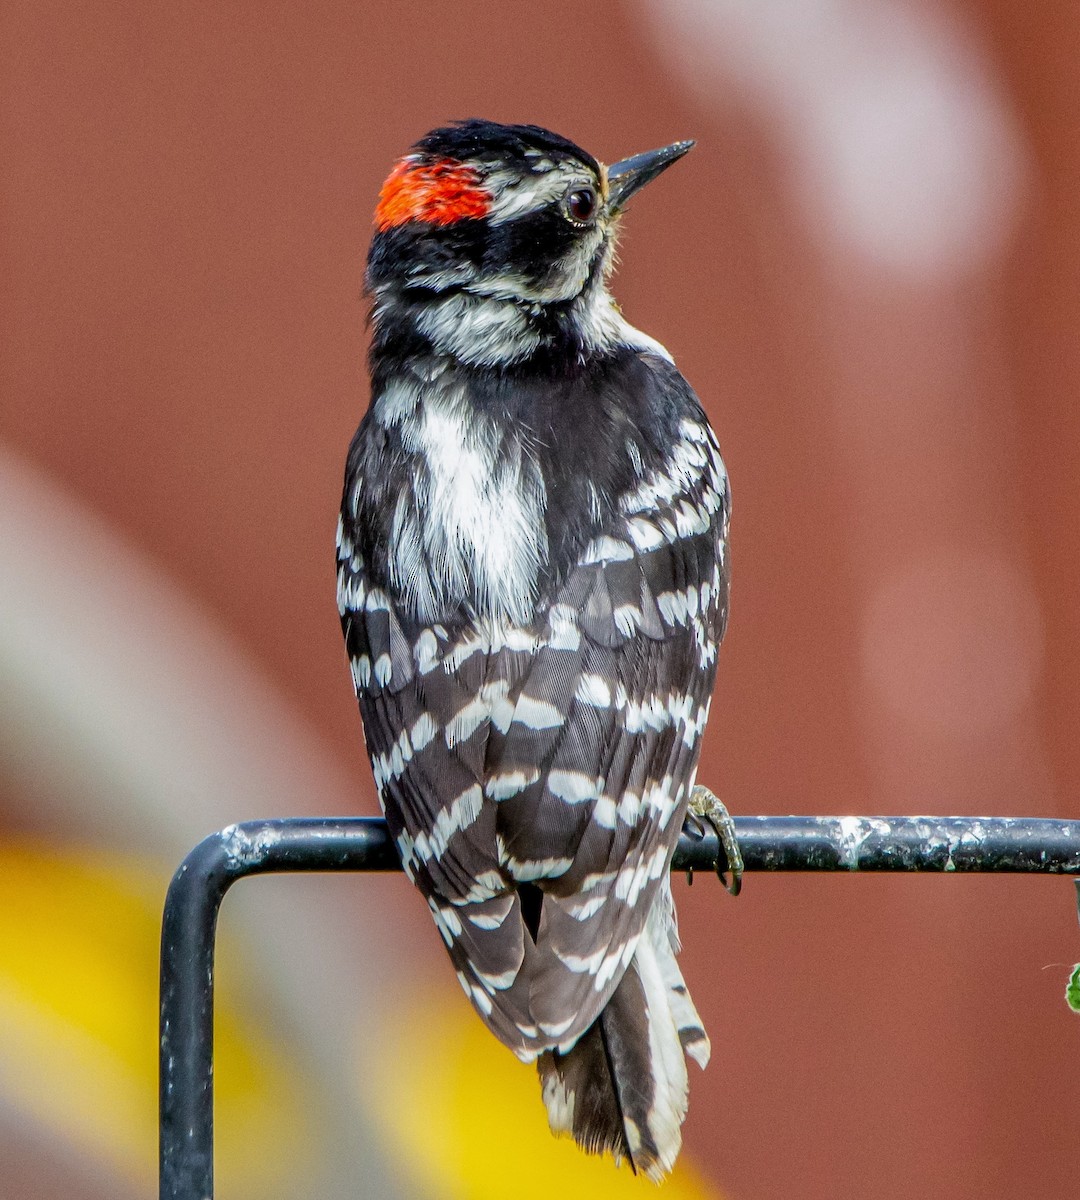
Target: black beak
(624, 178)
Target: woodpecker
(533, 586)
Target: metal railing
(963, 844)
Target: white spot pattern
(537, 714)
(607, 549)
(594, 690)
(509, 783)
(574, 787)
(458, 815)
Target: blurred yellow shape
(79, 936)
(468, 1123)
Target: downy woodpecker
(533, 585)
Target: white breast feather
(480, 530)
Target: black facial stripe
(432, 248)
(530, 244)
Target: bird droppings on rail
(853, 832)
(246, 848)
(898, 843)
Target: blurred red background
(868, 269)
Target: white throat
(482, 329)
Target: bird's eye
(581, 205)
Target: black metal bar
(962, 844)
(1038, 845)
(189, 924)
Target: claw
(704, 806)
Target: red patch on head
(439, 192)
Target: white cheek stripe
(514, 194)
(479, 331)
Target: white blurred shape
(121, 704)
(900, 146)
(953, 642)
(129, 718)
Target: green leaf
(1072, 990)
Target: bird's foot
(704, 806)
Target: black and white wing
(535, 775)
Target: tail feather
(588, 1091)
(622, 1088)
(695, 1041)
